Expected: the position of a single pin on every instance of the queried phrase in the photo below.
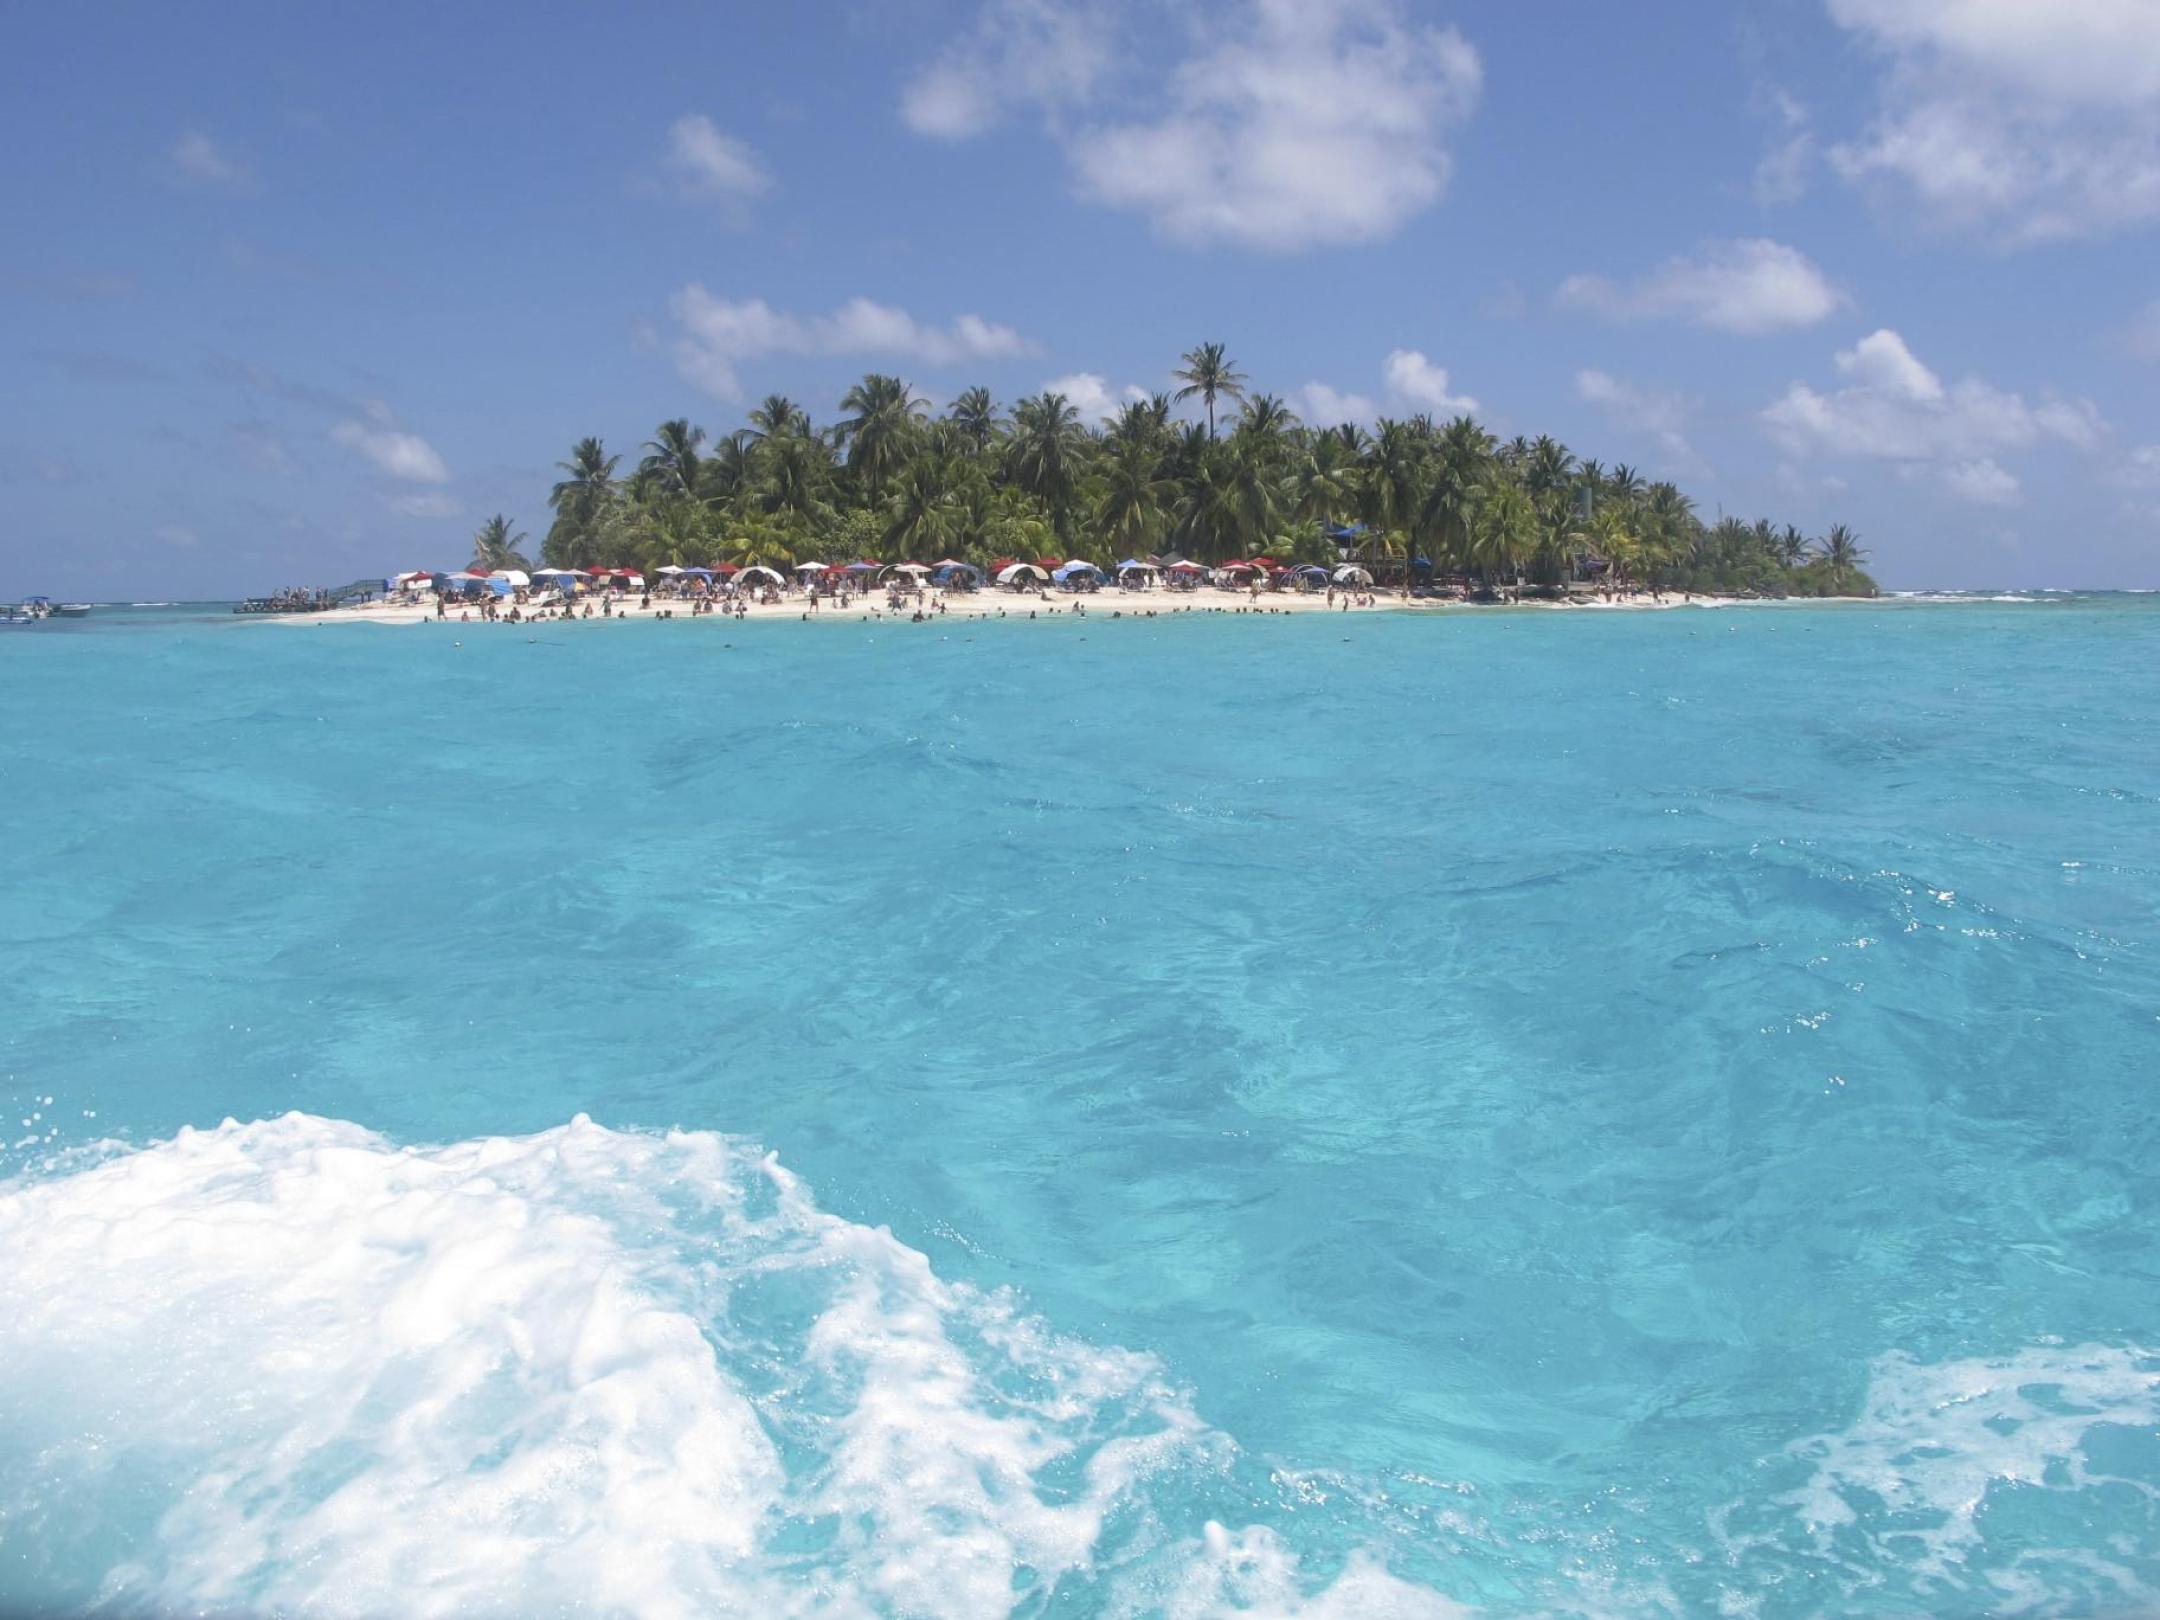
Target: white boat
(71, 610)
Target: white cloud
(195, 156)
(1637, 409)
(2145, 333)
(712, 165)
(1040, 52)
(1288, 124)
(1747, 286)
(176, 534)
(718, 334)
(1294, 124)
(1325, 407)
(1409, 383)
(1415, 380)
(1782, 174)
(2024, 121)
(397, 454)
(1983, 482)
(1092, 396)
(1893, 407)
(2140, 469)
(426, 504)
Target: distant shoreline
(988, 607)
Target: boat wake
(288, 1366)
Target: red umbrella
(1050, 562)
(725, 568)
(1265, 562)
(1002, 564)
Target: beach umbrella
(1074, 569)
(760, 571)
(1019, 571)
(810, 568)
(1186, 568)
(1050, 564)
(558, 573)
(950, 562)
(1351, 574)
(725, 568)
(668, 568)
(860, 568)
(911, 568)
(695, 573)
(516, 576)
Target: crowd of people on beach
(899, 596)
(292, 599)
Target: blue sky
(304, 293)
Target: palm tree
(1044, 454)
(1209, 372)
(581, 501)
(1463, 460)
(671, 462)
(1791, 548)
(1135, 504)
(885, 417)
(1502, 528)
(495, 546)
(775, 416)
(975, 414)
(1840, 554)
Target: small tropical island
(1415, 507)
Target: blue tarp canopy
(1313, 568)
(957, 571)
(501, 587)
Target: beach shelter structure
(667, 568)
(949, 572)
(1019, 573)
(560, 573)
(760, 571)
(1076, 569)
(1351, 574)
(517, 577)
(810, 568)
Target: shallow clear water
(1607, 1114)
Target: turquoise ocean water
(1522, 1113)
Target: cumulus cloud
(377, 439)
(1782, 174)
(1983, 482)
(1748, 286)
(2145, 333)
(1410, 384)
(1288, 124)
(1894, 407)
(2021, 121)
(195, 157)
(1325, 407)
(1047, 53)
(1092, 396)
(719, 334)
(711, 165)
(1661, 415)
(2140, 469)
(1412, 378)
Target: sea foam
(288, 1366)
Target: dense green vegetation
(889, 481)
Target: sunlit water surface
(1626, 1114)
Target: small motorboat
(71, 610)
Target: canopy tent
(667, 568)
(946, 572)
(1310, 570)
(1186, 568)
(1049, 565)
(1351, 574)
(412, 574)
(907, 568)
(810, 568)
(462, 577)
(760, 571)
(694, 573)
(1133, 565)
(1074, 570)
(560, 573)
(725, 568)
(1018, 572)
(516, 576)
(499, 585)
(950, 562)
(860, 568)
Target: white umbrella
(809, 568)
(1007, 575)
(1351, 574)
(560, 573)
(759, 570)
(908, 568)
(516, 576)
(667, 568)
